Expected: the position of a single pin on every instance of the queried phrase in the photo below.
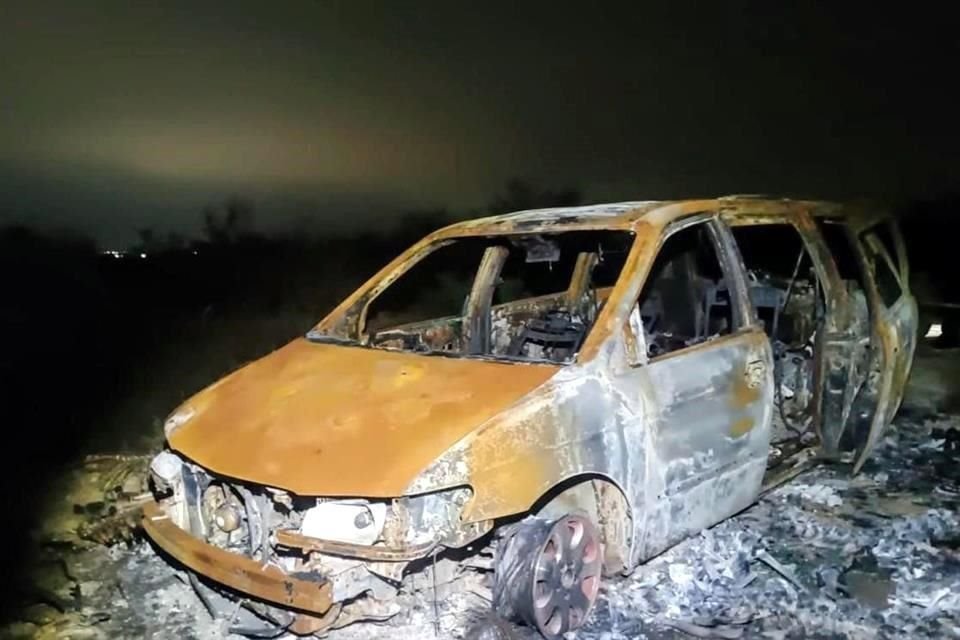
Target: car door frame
(839, 341)
(672, 513)
(890, 367)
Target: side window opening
(883, 263)
(834, 234)
(884, 235)
(788, 298)
(685, 300)
(880, 250)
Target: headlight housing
(432, 516)
(354, 521)
(166, 470)
(403, 522)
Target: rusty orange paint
(320, 419)
(511, 469)
(743, 394)
(741, 427)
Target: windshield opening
(528, 297)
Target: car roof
(626, 215)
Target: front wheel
(548, 573)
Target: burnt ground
(824, 556)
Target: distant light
(143, 255)
(935, 331)
(195, 252)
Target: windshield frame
(350, 316)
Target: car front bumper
(264, 582)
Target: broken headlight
(166, 471)
(406, 521)
(354, 521)
(167, 476)
(432, 516)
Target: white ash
(894, 527)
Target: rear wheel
(548, 573)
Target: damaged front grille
(236, 517)
(358, 545)
(231, 516)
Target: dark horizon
(342, 115)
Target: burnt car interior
(517, 297)
(788, 299)
(685, 301)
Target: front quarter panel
(571, 426)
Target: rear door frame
(836, 380)
(892, 361)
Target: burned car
(536, 400)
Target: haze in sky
(120, 115)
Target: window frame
(364, 297)
(731, 266)
(873, 246)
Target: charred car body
(572, 393)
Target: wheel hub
(550, 574)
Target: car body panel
(894, 325)
(842, 336)
(323, 419)
(683, 437)
(707, 447)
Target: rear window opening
(529, 297)
(834, 233)
(782, 281)
(881, 254)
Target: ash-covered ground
(823, 556)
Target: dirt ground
(823, 556)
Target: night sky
(121, 115)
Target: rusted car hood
(320, 419)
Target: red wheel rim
(567, 576)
